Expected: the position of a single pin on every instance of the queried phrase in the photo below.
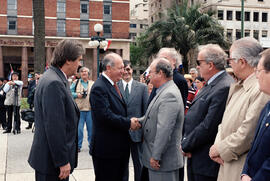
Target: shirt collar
(249, 82)
(106, 76)
(64, 73)
(215, 76)
(125, 83)
(163, 85)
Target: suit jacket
(201, 124)
(162, 127)
(31, 87)
(257, 164)
(110, 136)
(136, 105)
(56, 123)
(180, 82)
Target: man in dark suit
(257, 165)
(31, 91)
(135, 95)
(205, 114)
(54, 150)
(110, 143)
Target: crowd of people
(215, 117)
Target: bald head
(113, 66)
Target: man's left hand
(213, 152)
(154, 164)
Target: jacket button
(146, 130)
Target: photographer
(13, 90)
(80, 90)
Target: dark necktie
(117, 89)
(127, 92)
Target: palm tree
(184, 29)
(39, 35)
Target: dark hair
(199, 78)
(266, 62)
(127, 63)
(165, 67)
(66, 50)
(15, 73)
(2, 79)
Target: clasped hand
(134, 124)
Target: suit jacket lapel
(259, 133)
(65, 81)
(112, 89)
(207, 88)
(132, 95)
(154, 100)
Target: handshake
(135, 124)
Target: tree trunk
(39, 36)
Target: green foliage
(24, 104)
(135, 54)
(184, 29)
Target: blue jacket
(257, 164)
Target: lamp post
(98, 42)
(242, 18)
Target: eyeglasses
(257, 71)
(199, 62)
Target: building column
(48, 56)
(1, 63)
(24, 67)
(94, 65)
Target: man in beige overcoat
(244, 104)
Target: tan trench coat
(237, 129)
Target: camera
(84, 93)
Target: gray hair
(214, 53)
(84, 68)
(164, 65)
(173, 54)
(247, 48)
(108, 61)
(193, 70)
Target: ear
(211, 65)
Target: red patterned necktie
(117, 89)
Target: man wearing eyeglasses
(135, 96)
(244, 104)
(205, 114)
(258, 159)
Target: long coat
(55, 140)
(162, 127)
(235, 134)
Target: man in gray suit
(162, 126)
(135, 95)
